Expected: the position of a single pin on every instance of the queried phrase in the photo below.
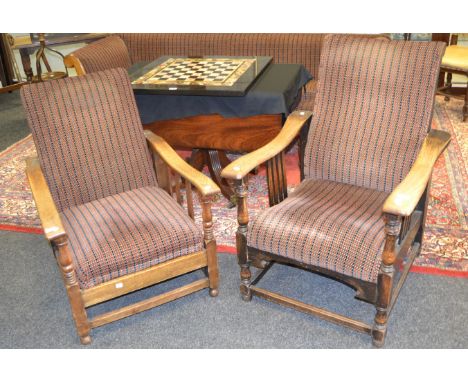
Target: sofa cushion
(107, 53)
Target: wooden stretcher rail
(311, 309)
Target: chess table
(213, 75)
(211, 105)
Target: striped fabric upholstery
(327, 224)
(372, 110)
(88, 136)
(107, 53)
(128, 232)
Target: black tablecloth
(274, 92)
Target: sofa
(291, 48)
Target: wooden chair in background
(455, 61)
(360, 208)
(110, 218)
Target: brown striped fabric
(372, 110)
(128, 232)
(88, 136)
(107, 53)
(327, 224)
(287, 48)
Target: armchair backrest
(107, 53)
(372, 111)
(88, 136)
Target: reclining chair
(366, 168)
(107, 213)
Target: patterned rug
(445, 249)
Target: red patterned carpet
(445, 249)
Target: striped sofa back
(283, 47)
(88, 136)
(372, 110)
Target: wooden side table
(27, 47)
(455, 61)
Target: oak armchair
(114, 223)
(366, 166)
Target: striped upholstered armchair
(109, 216)
(107, 53)
(360, 208)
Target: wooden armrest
(203, 184)
(243, 165)
(404, 198)
(48, 213)
(71, 61)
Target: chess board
(196, 72)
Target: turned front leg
(210, 246)
(241, 239)
(385, 280)
(465, 105)
(82, 324)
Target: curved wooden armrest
(404, 198)
(71, 61)
(48, 213)
(203, 184)
(243, 165)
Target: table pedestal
(209, 136)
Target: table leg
(197, 159)
(215, 167)
(26, 61)
(215, 160)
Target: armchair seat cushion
(128, 232)
(335, 226)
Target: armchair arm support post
(385, 279)
(210, 245)
(241, 238)
(201, 182)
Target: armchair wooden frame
(165, 160)
(404, 212)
